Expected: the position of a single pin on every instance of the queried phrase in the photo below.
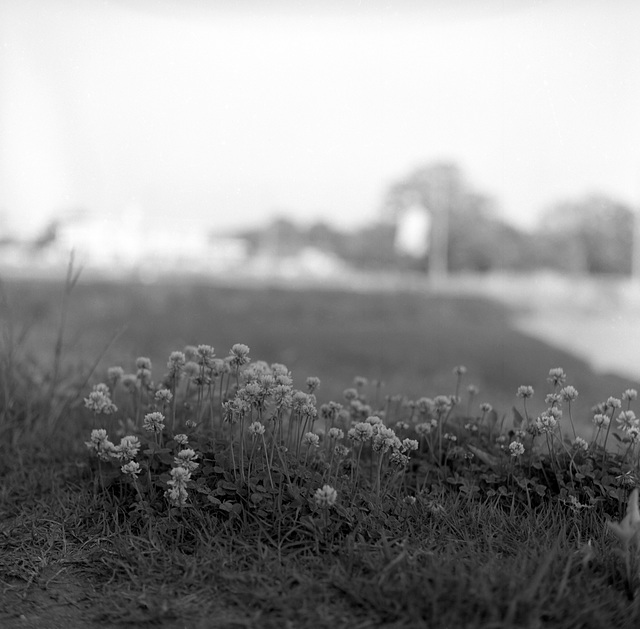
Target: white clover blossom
(384, 439)
(163, 396)
(341, 450)
(132, 468)
(177, 492)
(256, 429)
(569, 393)
(239, 355)
(312, 383)
(350, 394)
(153, 422)
(336, 433)
(374, 420)
(186, 459)
(205, 354)
(629, 394)
(362, 431)
(99, 400)
(398, 459)
(128, 448)
(626, 420)
(311, 440)
(325, 497)
(633, 433)
(524, 392)
(409, 445)
(114, 374)
(600, 420)
(360, 381)
(177, 360)
(516, 448)
(472, 389)
(557, 377)
(546, 422)
(485, 407)
(460, 370)
(580, 444)
(613, 402)
(181, 439)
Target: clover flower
(374, 420)
(341, 450)
(186, 459)
(409, 445)
(552, 399)
(385, 438)
(613, 402)
(350, 394)
(129, 382)
(569, 393)
(336, 433)
(442, 403)
(629, 394)
(218, 367)
(520, 434)
(557, 377)
(449, 437)
(177, 493)
(360, 382)
(177, 360)
(424, 405)
(460, 370)
(634, 434)
(600, 420)
(181, 439)
(398, 459)
(546, 422)
(282, 396)
(99, 400)
(626, 420)
(256, 429)
(311, 440)
(524, 392)
(114, 374)
(362, 431)
(325, 497)
(128, 448)
(234, 409)
(239, 355)
(163, 396)
(425, 428)
(580, 444)
(516, 448)
(99, 443)
(402, 425)
(132, 468)
(205, 355)
(312, 383)
(153, 422)
(472, 389)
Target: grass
(441, 539)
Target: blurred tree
(589, 235)
(466, 233)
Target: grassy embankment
(441, 539)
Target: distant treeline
(591, 235)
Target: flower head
(557, 377)
(516, 448)
(153, 422)
(131, 469)
(524, 391)
(99, 401)
(256, 429)
(312, 384)
(325, 497)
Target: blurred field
(409, 340)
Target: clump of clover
(234, 437)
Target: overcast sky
(226, 113)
